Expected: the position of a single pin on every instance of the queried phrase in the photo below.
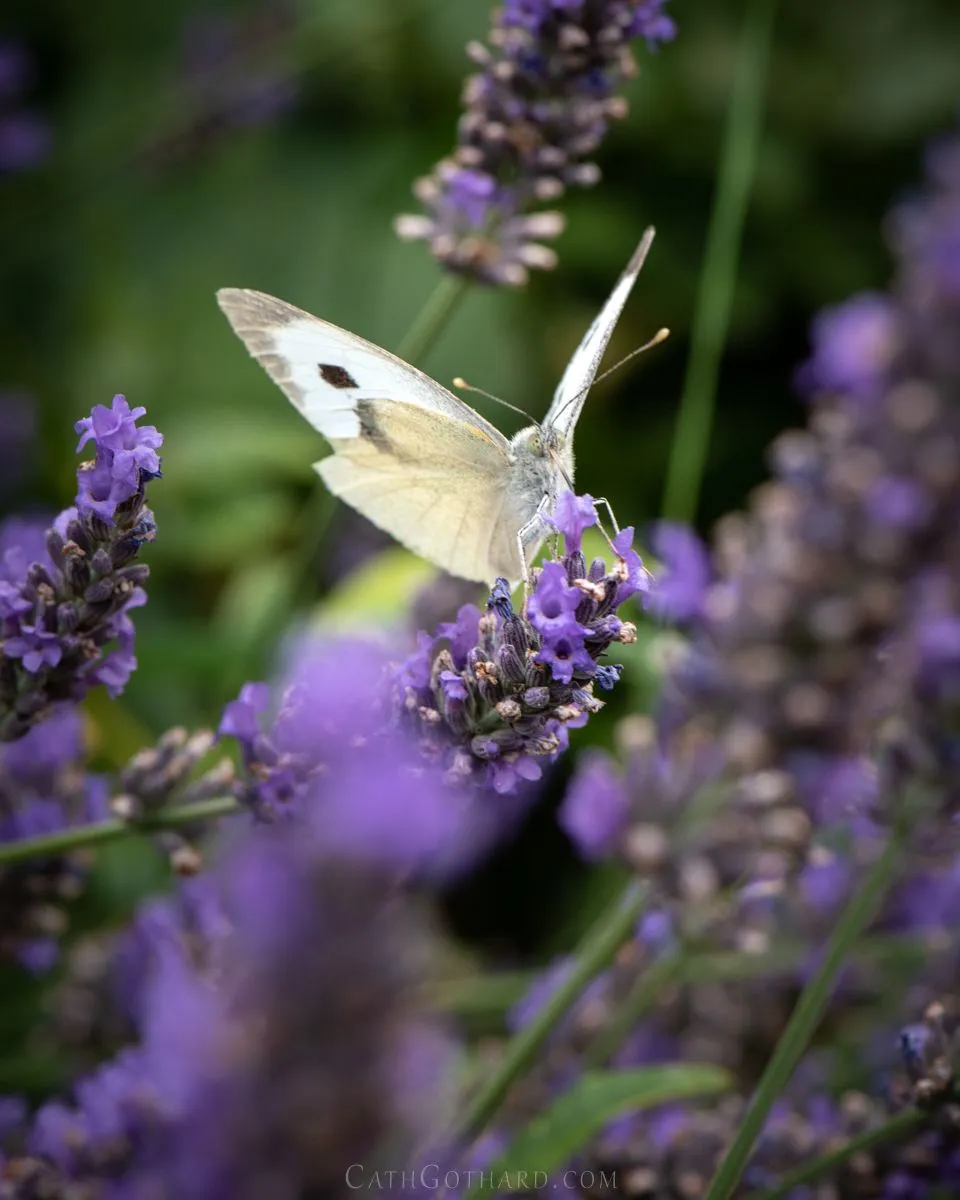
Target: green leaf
(552, 1138)
(257, 599)
(375, 593)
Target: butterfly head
(547, 451)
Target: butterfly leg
(606, 504)
(526, 534)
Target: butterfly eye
(535, 444)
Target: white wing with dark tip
(572, 389)
(325, 371)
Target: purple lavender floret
(65, 623)
(595, 808)
(680, 585)
(126, 458)
(534, 115)
(524, 680)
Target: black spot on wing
(336, 376)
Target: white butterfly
(410, 455)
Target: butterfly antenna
(463, 386)
(660, 336)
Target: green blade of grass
(711, 320)
(602, 941)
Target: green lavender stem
(897, 1127)
(97, 834)
(434, 318)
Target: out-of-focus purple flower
(524, 680)
(333, 762)
(241, 717)
(242, 1085)
(680, 585)
(854, 346)
(64, 604)
(24, 136)
(229, 77)
(926, 233)
(536, 112)
(43, 789)
(653, 24)
(595, 807)
(634, 576)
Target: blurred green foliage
(113, 248)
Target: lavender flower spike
(535, 113)
(65, 611)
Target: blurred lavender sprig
(229, 77)
(44, 788)
(24, 136)
(819, 679)
(241, 1085)
(65, 601)
(822, 667)
(533, 117)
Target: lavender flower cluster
(439, 749)
(66, 597)
(534, 115)
(491, 697)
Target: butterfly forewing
(408, 454)
(572, 389)
(324, 370)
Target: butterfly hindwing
(432, 482)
